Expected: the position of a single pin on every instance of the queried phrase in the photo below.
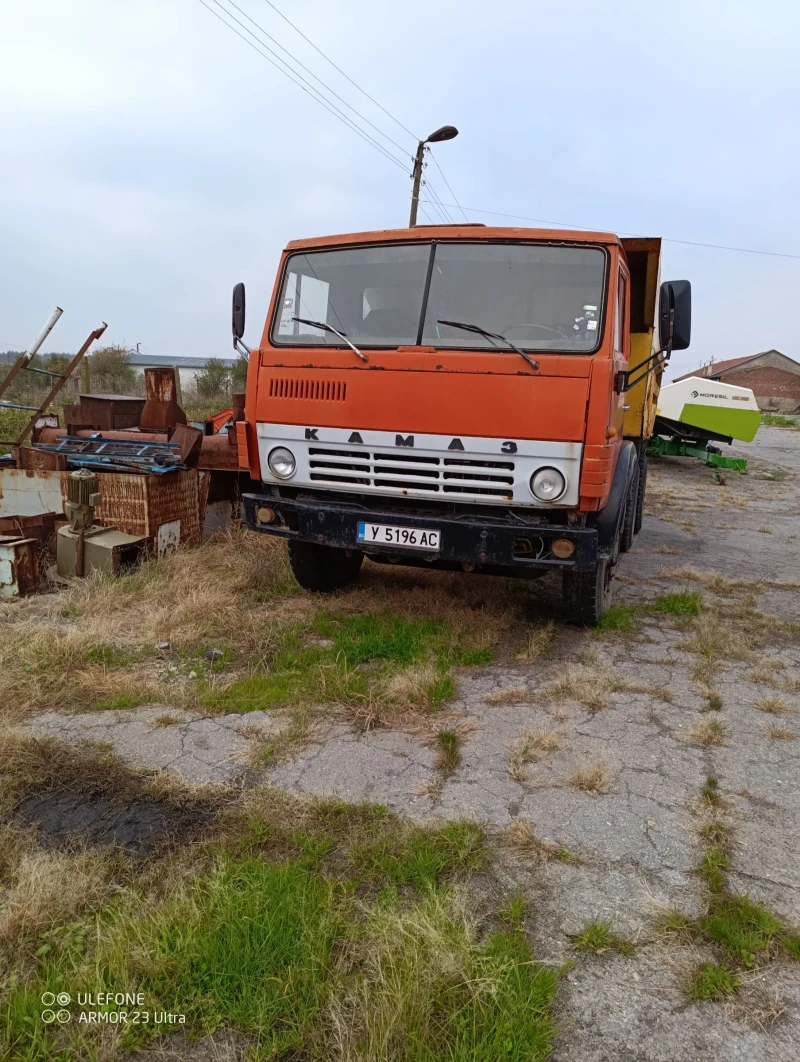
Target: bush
(110, 370)
(214, 379)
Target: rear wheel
(629, 519)
(323, 568)
(637, 523)
(587, 595)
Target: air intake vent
(308, 390)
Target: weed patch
(711, 981)
(594, 778)
(532, 747)
(519, 837)
(681, 603)
(598, 937)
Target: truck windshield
(540, 296)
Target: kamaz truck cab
(459, 397)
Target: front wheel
(629, 519)
(323, 568)
(587, 595)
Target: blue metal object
(117, 455)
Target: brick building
(773, 377)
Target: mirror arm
(241, 347)
(624, 381)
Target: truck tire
(637, 523)
(586, 596)
(629, 519)
(323, 568)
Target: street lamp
(447, 132)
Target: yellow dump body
(644, 262)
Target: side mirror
(675, 314)
(237, 317)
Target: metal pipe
(45, 332)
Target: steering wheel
(532, 324)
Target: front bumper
(483, 541)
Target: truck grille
(394, 473)
(314, 390)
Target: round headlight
(548, 484)
(281, 463)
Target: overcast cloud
(151, 159)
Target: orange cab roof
(472, 232)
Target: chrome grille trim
(481, 470)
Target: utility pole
(447, 132)
(418, 161)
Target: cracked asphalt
(635, 845)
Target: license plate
(409, 537)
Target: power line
(302, 65)
(362, 90)
(449, 189)
(328, 59)
(437, 202)
(310, 90)
(636, 235)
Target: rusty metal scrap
(161, 409)
(19, 566)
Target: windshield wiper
(328, 328)
(490, 335)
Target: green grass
(713, 701)
(744, 928)
(618, 618)
(597, 937)
(447, 750)
(712, 868)
(121, 700)
(710, 792)
(422, 857)
(326, 660)
(680, 603)
(711, 981)
(773, 420)
(300, 961)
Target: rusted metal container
(161, 409)
(109, 412)
(19, 566)
(165, 510)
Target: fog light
(281, 463)
(265, 515)
(562, 548)
(548, 484)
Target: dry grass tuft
(711, 580)
(413, 687)
(520, 838)
(592, 778)
(539, 641)
(756, 1006)
(772, 706)
(587, 683)
(513, 695)
(50, 888)
(533, 746)
(707, 732)
(779, 733)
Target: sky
(151, 158)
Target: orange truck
(459, 397)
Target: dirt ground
(602, 747)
